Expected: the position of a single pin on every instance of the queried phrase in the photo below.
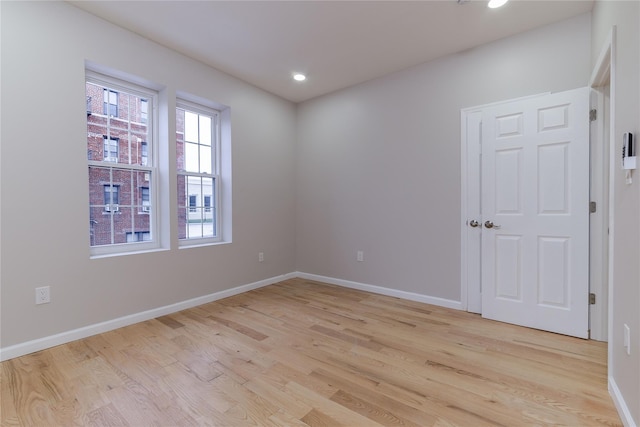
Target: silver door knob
(489, 224)
(473, 223)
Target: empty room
(323, 213)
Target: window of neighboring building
(110, 103)
(138, 236)
(122, 167)
(144, 110)
(197, 156)
(145, 199)
(144, 153)
(192, 203)
(111, 198)
(111, 149)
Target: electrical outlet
(360, 256)
(43, 295)
(627, 339)
(260, 256)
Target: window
(122, 168)
(144, 199)
(111, 199)
(144, 153)
(111, 149)
(197, 156)
(110, 103)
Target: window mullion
(132, 193)
(111, 210)
(129, 133)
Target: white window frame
(216, 205)
(152, 167)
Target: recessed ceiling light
(496, 3)
(299, 77)
(493, 4)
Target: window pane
(190, 127)
(205, 159)
(191, 157)
(120, 203)
(119, 126)
(205, 130)
(100, 230)
(182, 222)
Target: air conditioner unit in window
(112, 208)
(145, 209)
(147, 176)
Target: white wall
(44, 178)
(625, 369)
(379, 164)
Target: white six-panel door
(535, 212)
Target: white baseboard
(621, 405)
(442, 302)
(109, 325)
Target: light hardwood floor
(305, 353)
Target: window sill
(189, 245)
(134, 252)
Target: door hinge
(592, 207)
(592, 298)
(593, 115)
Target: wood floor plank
(302, 352)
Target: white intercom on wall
(628, 151)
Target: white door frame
(599, 221)
(603, 83)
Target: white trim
(464, 277)
(471, 296)
(109, 325)
(411, 296)
(606, 65)
(620, 404)
(598, 220)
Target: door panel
(508, 267)
(535, 189)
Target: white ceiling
(336, 43)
